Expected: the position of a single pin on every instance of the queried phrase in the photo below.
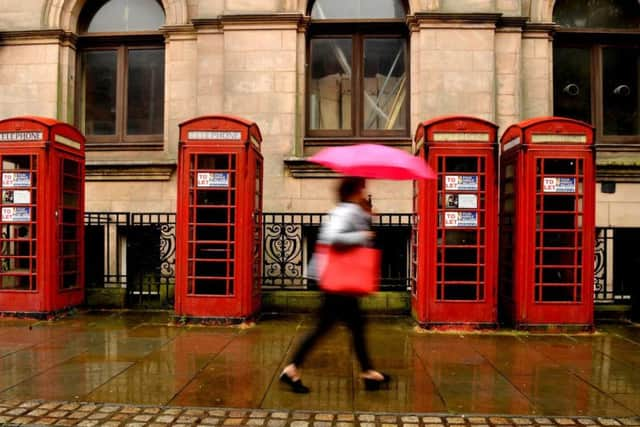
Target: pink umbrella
(373, 161)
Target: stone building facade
(493, 59)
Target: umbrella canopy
(373, 161)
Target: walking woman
(349, 224)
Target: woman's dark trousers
(338, 308)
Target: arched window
(357, 69)
(596, 66)
(122, 74)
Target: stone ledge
(129, 172)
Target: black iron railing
(614, 265)
(136, 251)
(289, 239)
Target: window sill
(129, 171)
(124, 146)
(403, 141)
(300, 167)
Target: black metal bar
(289, 238)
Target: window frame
(595, 40)
(357, 32)
(121, 43)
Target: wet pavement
(141, 360)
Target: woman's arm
(339, 230)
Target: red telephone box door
(218, 213)
(41, 239)
(458, 246)
(548, 217)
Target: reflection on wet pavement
(140, 358)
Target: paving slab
(111, 367)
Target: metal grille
(289, 239)
(135, 251)
(616, 260)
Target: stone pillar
(456, 65)
(261, 76)
(508, 75)
(537, 71)
(181, 84)
(30, 73)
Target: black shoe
(296, 386)
(371, 384)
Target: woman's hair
(349, 186)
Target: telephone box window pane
(557, 293)
(559, 203)
(620, 91)
(385, 84)
(460, 292)
(572, 83)
(462, 164)
(100, 92)
(559, 166)
(330, 85)
(145, 97)
(454, 237)
(211, 286)
(127, 15)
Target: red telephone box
(42, 239)
(457, 223)
(218, 218)
(547, 223)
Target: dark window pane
(572, 83)
(127, 15)
(145, 98)
(597, 13)
(357, 9)
(100, 92)
(385, 84)
(330, 85)
(620, 91)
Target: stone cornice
(177, 29)
(301, 168)
(259, 20)
(468, 18)
(131, 171)
(537, 27)
(38, 35)
(618, 172)
(513, 21)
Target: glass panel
(460, 292)
(620, 91)
(357, 9)
(100, 92)
(385, 84)
(557, 293)
(127, 15)
(572, 83)
(559, 166)
(597, 13)
(330, 85)
(462, 164)
(145, 97)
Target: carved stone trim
(106, 171)
(513, 22)
(301, 168)
(7, 37)
(618, 172)
(469, 18)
